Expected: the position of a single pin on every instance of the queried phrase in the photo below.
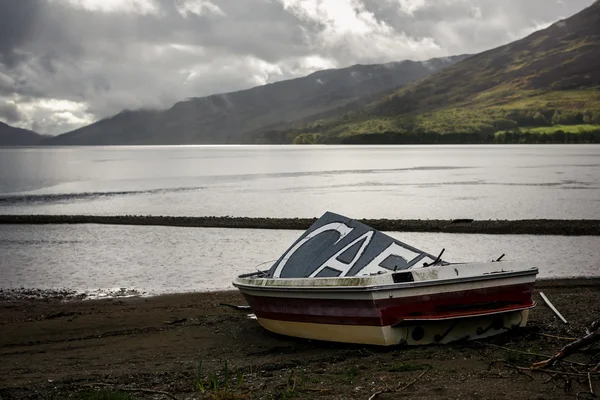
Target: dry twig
(138, 390)
(414, 381)
(377, 393)
(551, 371)
(519, 370)
(516, 351)
(554, 336)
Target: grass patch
(351, 373)
(371, 125)
(564, 128)
(559, 99)
(550, 130)
(406, 367)
(219, 384)
(104, 395)
(294, 385)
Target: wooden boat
(343, 281)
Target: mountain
(536, 85)
(11, 136)
(241, 116)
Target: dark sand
(51, 349)
(516, 227)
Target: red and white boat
(343, 281)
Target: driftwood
(572, 347)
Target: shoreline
(469, 226)
(72, 296)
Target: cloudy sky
(67, 63)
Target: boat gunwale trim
(376, 288)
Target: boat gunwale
(380, 287)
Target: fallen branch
(590, 382)
(532, 354)
(138, 390)
(570, 348)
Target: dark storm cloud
(65, 63)
(9, 112)
(469, 26)
(17, 23)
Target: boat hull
(421, 333)
(375, 310)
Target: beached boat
(343, 281)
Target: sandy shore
(53, 349)
(516, 227)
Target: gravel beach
(52, 348)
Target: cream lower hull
(431, 332)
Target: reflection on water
(481, 182)
(103, 258)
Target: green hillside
(526, 91)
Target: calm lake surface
(99, 259)
(481, 182)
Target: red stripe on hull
(452, 304)
(391, 311)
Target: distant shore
(70, 295)
(502, 227)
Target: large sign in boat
(337, 246)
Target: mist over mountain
(233, 117)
